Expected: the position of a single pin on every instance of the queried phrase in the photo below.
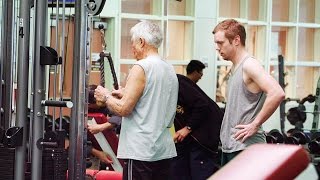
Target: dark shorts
(226, 157)
(193, 162)
(143, 170)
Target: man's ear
(237, 40)
(142, 42)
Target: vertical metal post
(22, 86)
(283, 103)
(7, 40)
(38, 88)
(56, 66)
(79, 118)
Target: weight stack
(54, 164)
(7, 156)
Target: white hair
(148, 31)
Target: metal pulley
(95, 7)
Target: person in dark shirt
(195, 70)
(197, 125)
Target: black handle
(53, 103)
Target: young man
(253, 95)
(147, 104)
(197, 124)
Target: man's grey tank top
(242, 107)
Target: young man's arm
(131, 93)
(257, 79)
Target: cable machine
(43, 147)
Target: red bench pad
(265, 161)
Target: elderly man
(147, 104)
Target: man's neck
(191, 77)
(239, 56)
(151, 52)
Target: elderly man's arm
(131, 93)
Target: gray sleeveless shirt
(242, 107)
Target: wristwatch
(106, 97)
(189, 128)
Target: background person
(195, 70)
(197, 124)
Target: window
(229, 8)
(280, 10)
(177, 22)
(140, 6)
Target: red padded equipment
(109, 175)
(265, 161)
(109, 135)
(91, 172)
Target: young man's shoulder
(252, 65)
(252, 61)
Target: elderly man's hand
(101, 94)
(118, 93)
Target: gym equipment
(89, 173)
(110, 175)
(76, 165)
(283, 85)
(297, 137)
(2, 132)
(315, 121)
(103, 174)
(49, 124)
(102, 55)
(314, 146)
(54, 163)
(7, 62)
(52, 103)
(23, 25)
(265, 161)
(64, 124)
(297, 115)
(95, 7)
(54, 155)
(106, 140)
(53, 139)
(13, 137)
(274, 137)
(114, 76)
(68, 3)
(7, 159)
(49, 56)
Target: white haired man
(147, 104)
